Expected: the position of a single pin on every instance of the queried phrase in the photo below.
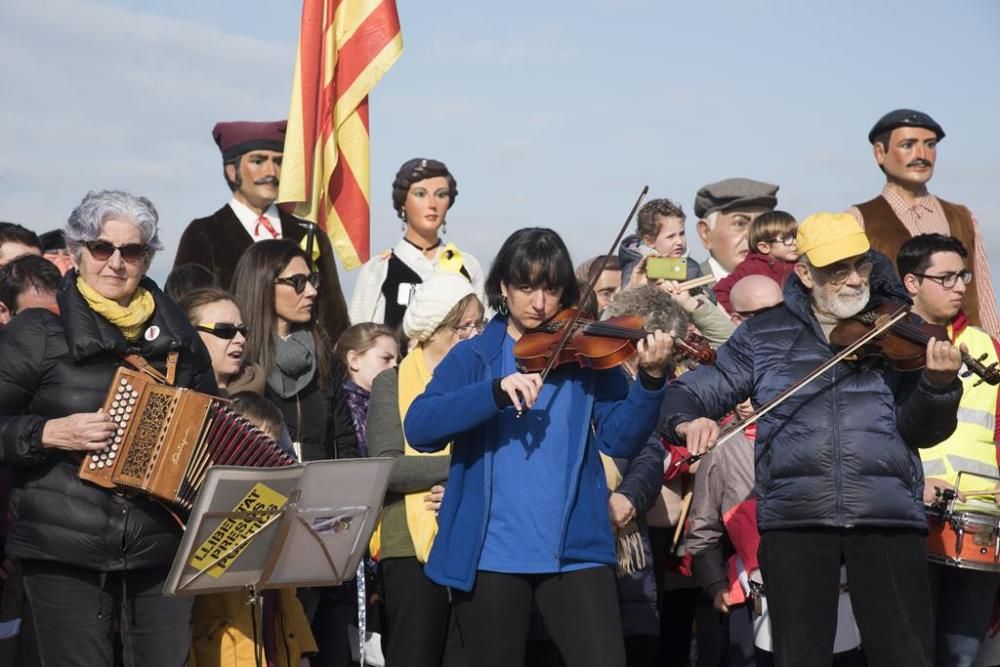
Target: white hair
(710, 219)
(87, 219)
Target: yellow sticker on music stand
(232, 536)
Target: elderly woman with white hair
(94, 560)
(444, 311)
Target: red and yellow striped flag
(345, 46)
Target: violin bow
(571, 324)
(733, 429)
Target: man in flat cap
(725, 211)
(251, 162)
(904, 143)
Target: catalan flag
(345, 46)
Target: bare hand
(933, 487)
(721, 601)
(699, 434)
(655, 353)
(620, 509)
(683, 298)
(638, 275)
(943, 361)
(522, 389)
(80, 431)
(434, 498)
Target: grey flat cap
(732, 194)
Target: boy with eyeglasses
(772, 254)
(933, 269)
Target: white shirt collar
(717, 269)
(248, 219)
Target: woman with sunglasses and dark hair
(216, 317)
(525, 516)
(279, 295)
(94, 561)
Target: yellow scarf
(130, 319)
(413, 379)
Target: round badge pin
(152, 333)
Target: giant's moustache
(920, 162)
(267, 180)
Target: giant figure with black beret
(904, 143)
(251, 159)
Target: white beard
(841, 306)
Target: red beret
(238, 137)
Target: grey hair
(711, 218)
(85, 222)
(653, 305)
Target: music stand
(254, 529)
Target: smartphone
(667, 268)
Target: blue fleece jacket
(458, 405)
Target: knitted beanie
(432, 300)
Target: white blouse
(368, 302)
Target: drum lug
(959, 540)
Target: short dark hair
(259, 411)
(188, 277)
(420, 169)
(533, 256)
(646, 224)
(769, 224)
(11, 232)
(914, 256)
(24, 273)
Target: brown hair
(768, 225)
(261, 412)
(193, 301)
(647, 225)
(360, 338)
(454, 317)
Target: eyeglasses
(469, 330)
(783, 240)
(747, 314)
(949, 280)
(840, 275)
(226, 330)
(133, 253)
(298, 281)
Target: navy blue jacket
(843, 451)
(458, 405)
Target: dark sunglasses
(226, 330)
(298, 281)
(133, 253)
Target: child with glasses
(772, 253)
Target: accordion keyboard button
(93, 466)
(111, 455)
(100, 464)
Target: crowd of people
(731, 487)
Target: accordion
(166, 439)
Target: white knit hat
(432, 300)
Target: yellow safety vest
(971, 448)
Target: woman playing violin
(525, 515)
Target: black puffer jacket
(843, 451)
(53, 366)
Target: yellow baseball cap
(826, 238)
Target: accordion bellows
(167, 438)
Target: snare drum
(848, 635)
(965, 539)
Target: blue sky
(550, 114)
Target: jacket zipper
(838, 458)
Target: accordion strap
(141, 364)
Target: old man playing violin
(525, 517)
(838, 475)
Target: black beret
(904, 118)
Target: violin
(594, 344)
(904, 343)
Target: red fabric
(755, 264)
(741, 526)
(262, 220)
(677, 453)
(238, 137)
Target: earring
(444, 227)
(502, 308)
